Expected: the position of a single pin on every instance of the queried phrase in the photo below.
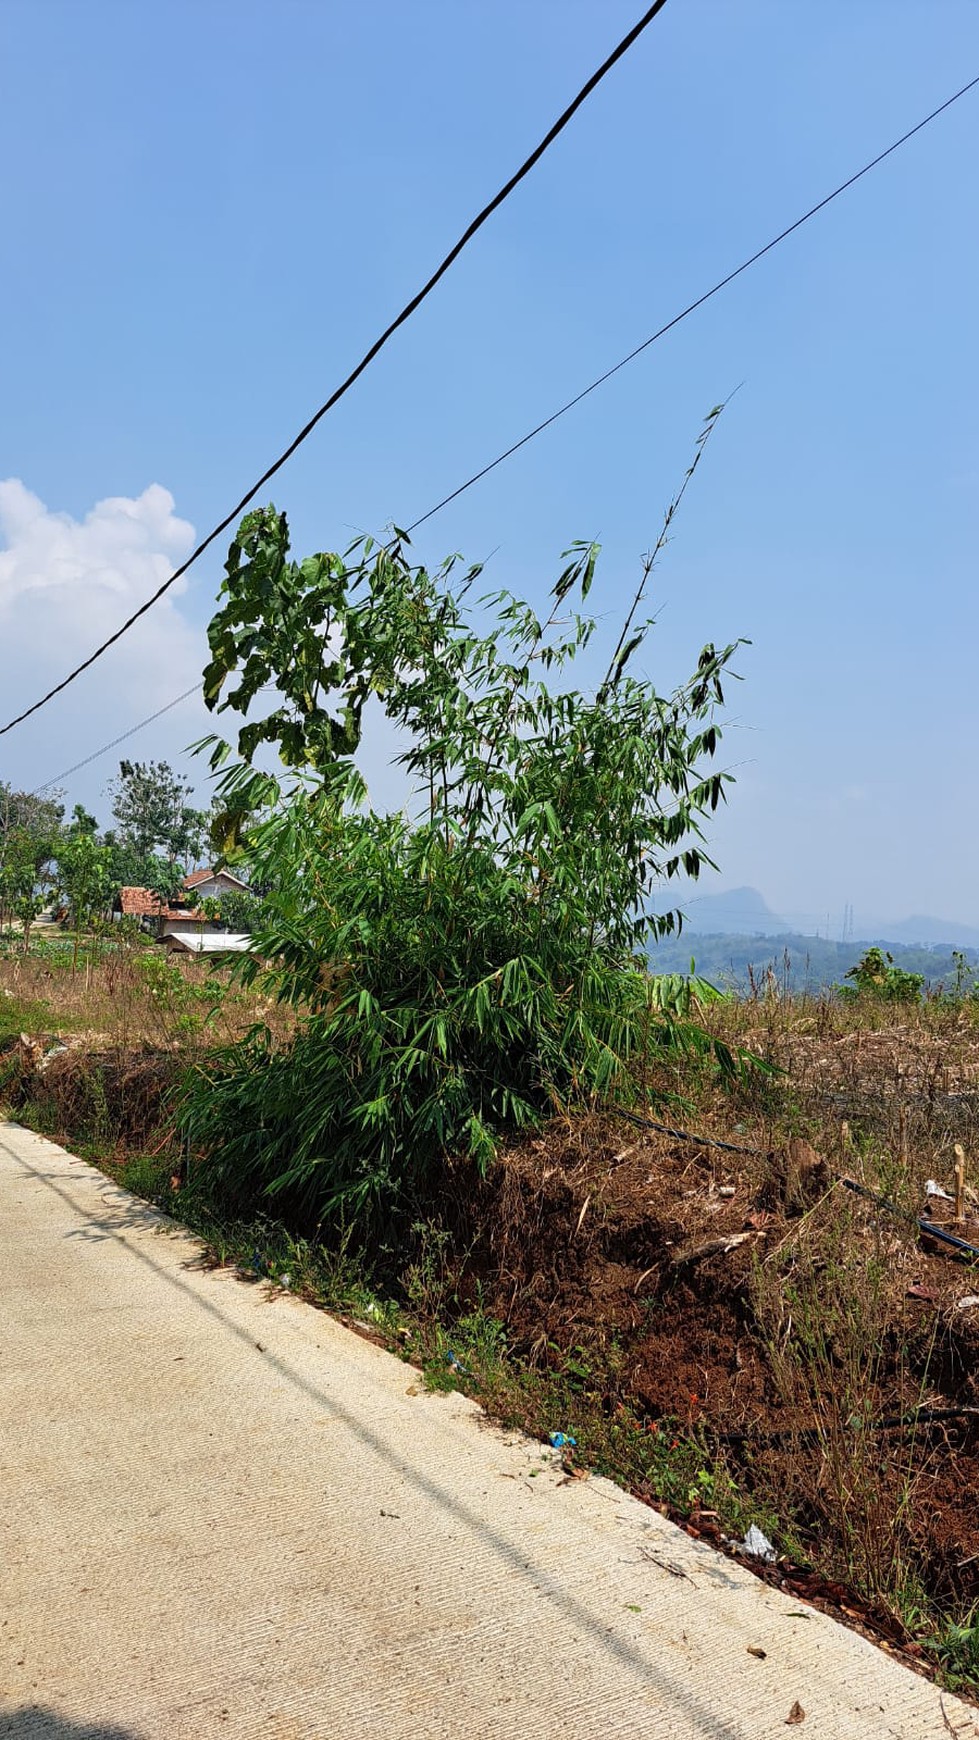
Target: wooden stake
(902, 1137)
(844, 1138)
(959, 1182)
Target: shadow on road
(671, 1683)
(34, 1722)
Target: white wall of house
(215, 886)
(184, 923)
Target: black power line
(477, 476)
(691, 307)
(368, 357)
(195, 689)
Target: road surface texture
(226, 1515)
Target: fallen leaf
(573, 1472)
(761, 1654)
(796, 1715)
(917, 1291)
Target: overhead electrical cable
(477, 476)
(692, 307)
(368, 357)
(195, 689)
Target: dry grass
(884, 1090)
(127, 997)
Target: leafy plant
(85, 879)
(184, 1007)
(151, 809)
(238, 909)
(471, 962)
(875, 975)
(957, 1649)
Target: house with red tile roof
(163, 918)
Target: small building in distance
(194, 942)
(211, 884)
(162, 920)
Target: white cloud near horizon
(65, 585)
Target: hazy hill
(930, 931)
(744, 912)
(738, 911)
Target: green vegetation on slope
(802, 965)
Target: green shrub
(876, 976)
(471, 963)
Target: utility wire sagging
(368, 357)
(538, 429)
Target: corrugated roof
(217, 943)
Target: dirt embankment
(817, 1343)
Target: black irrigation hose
(812, 1434)
(685, 1136)
(931, 1227)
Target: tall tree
(150, 805)
(30, 827)
(85, 878)
(25, 814)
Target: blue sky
(210, 210)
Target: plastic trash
(933, 1189)
(561, 1441)
(456, 1364)
(758, 1545)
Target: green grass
(23, 1015)
(957, 1650)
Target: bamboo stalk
(959, 1183)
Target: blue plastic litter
(455, 1364)
(561, 1441)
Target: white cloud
(65, 585)
(122, 550)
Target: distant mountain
(744, 912)
(736, 912)
(928, 931)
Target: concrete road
(225, 1516)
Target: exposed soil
(645, 1253)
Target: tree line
(157, 836)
